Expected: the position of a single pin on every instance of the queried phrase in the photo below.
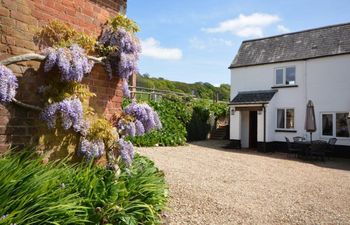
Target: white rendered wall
(254, 78)
(325, 81)
(235, 126)
(328, 86)
(244, 129)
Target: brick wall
(19, 20)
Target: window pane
(279, 76)
(290, 75)
(327, 124)
(280, 118)
(290, 118)
(342, 129)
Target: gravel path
(211, 186)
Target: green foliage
(58, 34)
(122, 21)
(174, 115)
(142, 195)
(183, 119)
(31, 193)
(102, 129)
(199, 89)
(59, 193)
(198, 128)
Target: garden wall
(19, 20)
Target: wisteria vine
(72, 63)
(122, 59)
(8, 84)
(71, 114)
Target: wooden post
(133, 84)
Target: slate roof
(253, 97)
(313, 43)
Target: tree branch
(38, 57)
(15, 101)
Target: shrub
(198, 128)
(58, 193)
(174, 116)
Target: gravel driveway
(211, 186)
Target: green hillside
(199, 89)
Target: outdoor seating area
(310, 150)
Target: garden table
(305, 146)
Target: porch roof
(253, 97)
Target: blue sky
(196, 40)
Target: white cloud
(209, 43)
(245, 25)
(282, 29)
(151, 47)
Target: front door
(253, 129)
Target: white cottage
(273, 78)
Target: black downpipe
(264, 110)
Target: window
(285, 76)
(327, 124)
(285, 118)
(342, 125)
(335, 125)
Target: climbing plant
(66, 111)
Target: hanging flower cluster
(146, 119)
(91, 149)
(126, 150)
(8, 84)
(122, 59)
(72, 62)
(71, 114)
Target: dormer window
(285, 76)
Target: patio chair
(318, 150)
(298, 138)
(330, 146)
(292, 149)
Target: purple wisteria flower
(71, 113)
(91, 149)
(122, 61)
(145, 115)
(72, 62)
(8, 84)
(126, 128)
(126, 150)
(140, 130)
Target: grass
(62, 193)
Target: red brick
(10, 4)
(22, 26)
(24, 18)
(24, 9)
(8, 40)
(7, 21)
(4, 12)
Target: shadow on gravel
(221, 145)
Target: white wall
(235, 125)
(325, 81)
(262, 77)
(245, 129)
(328, 86)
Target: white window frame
(334, 128)
(285, 118)
(284, 76)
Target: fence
(156, 94)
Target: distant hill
(201, 90)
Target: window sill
(284, 86)
(285, 131)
